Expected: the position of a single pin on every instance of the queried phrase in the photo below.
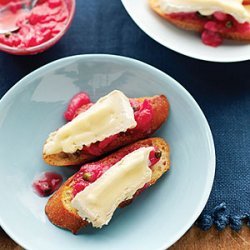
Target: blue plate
(34, 107)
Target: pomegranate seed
(75, 103)
(211, 38)
(220, 16)
(212, 26)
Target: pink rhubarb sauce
(47, 183)
(143, 113)
(213, 25)
(92, 171)
(41, 24)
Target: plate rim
(185, 53)
(211, 163)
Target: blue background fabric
(221, 90)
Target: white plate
(184, 42)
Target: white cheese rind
(98, 201)
(110, 115)
(207, 7)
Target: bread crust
(160, 106)
(58, 208)
(193, 25)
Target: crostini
(98, 188)
(214, 19)
(112, 122)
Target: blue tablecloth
(221, 90)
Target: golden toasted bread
(196, 25)
(160, 108)
(59, 209)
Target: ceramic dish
(184, 42)
(71, 4)
(34, 107)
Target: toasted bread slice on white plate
(214, 27)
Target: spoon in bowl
(8, 18)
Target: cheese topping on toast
(207, 7)
(110, 115)
(98, 201)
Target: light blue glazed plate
(34, 107)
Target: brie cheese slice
(110, 115)
(98, 201)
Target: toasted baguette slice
(194, 25)
(59, 209)
(160, 108)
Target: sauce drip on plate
(47, 183)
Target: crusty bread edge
(58, 208)
(160, 107)
(193, 25)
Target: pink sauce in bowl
(39, 29)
